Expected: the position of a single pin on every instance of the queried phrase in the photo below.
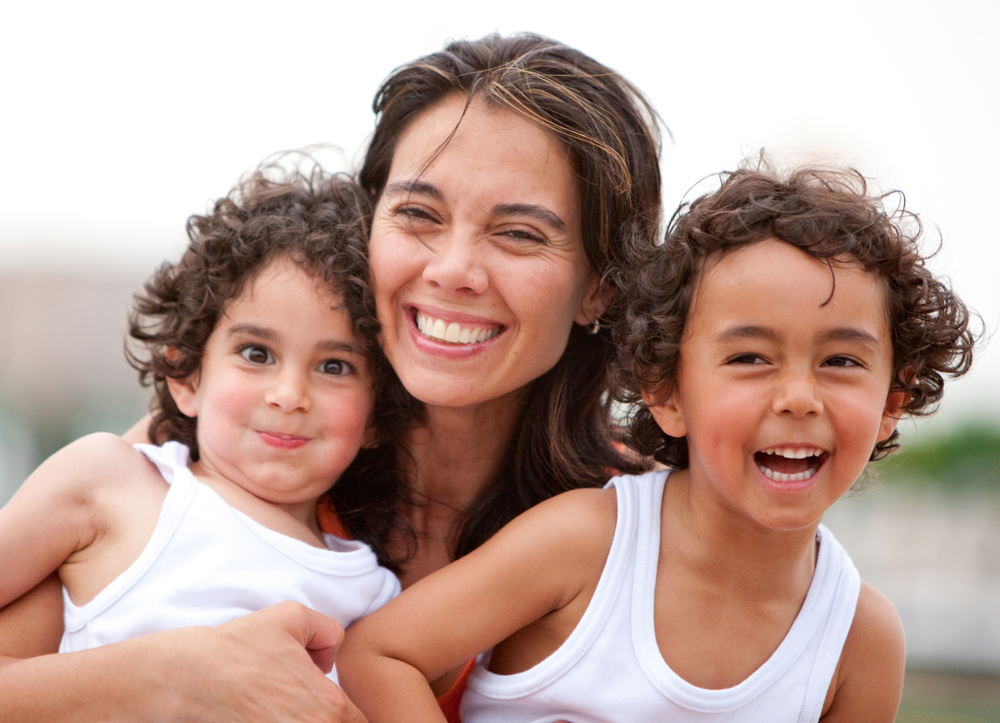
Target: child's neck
(727, 591)
(714, 539)
(296, 520)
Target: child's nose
(798, 395)
(289, 391)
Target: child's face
(283, 395)
(780, 395)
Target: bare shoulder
(94, 462)
(577, 519)
(869, 680)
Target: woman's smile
(433, 326)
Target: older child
(771, 345)
(258, 344)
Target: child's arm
(537, 565)
(62, 509)
(869, 680)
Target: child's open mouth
(789, 464)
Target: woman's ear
(595, 301)
(667, 412)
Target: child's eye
(256, 354)
(335, 367)
(842, 361)
(747, 358)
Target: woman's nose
(289, 391)
(455, 265)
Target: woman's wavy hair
(318, 220)
(611, 136)
(830, 215)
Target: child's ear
(895, 402)
(598, 297)
(184, 391)
(185, 394)
(667, 413)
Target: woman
(511, 177)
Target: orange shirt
(449, 702)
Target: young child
(258, 344)
(770, 345)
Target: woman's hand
(262, 668)
(266, 666)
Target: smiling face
(283, 394)
(781, 396)
(477, 256)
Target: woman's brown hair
(609, 131)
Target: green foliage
(966, 457)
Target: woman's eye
(414, 213)
(335, 367)
(523, 235)
(256, 354)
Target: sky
(121, 119)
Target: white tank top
(610, 667)
(207, 563)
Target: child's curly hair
(318, 220)
(829, 215)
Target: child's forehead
(784, 274)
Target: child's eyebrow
(260, 332)
(251, 330)
(736, 333)
(850, 333)
(841, 333)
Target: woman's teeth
(454, 332)
(787, 464)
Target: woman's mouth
(453, 332)
(790, 464)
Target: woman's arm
(265, 666)
(534, 567)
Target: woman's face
(477, 256)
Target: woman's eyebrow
(530, 210)
(414, 186)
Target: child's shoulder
(99, 458)
(869, 679)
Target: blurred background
(122, 119)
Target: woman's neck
(453, 456)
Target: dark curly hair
(830, 215)
(318, 220)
